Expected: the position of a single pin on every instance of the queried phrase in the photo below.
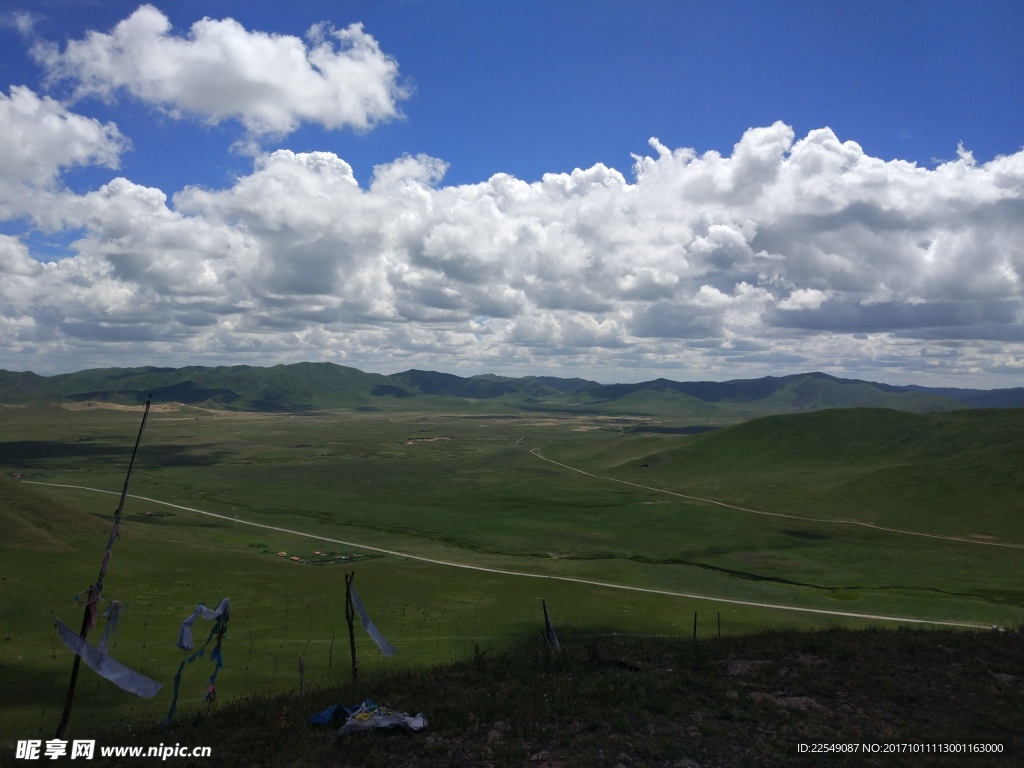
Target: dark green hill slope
(30, 519)
(297, 387)
(489, 386)
(975, 398)
(309, 386)
(801, 392)
(450, 385)
(543, 385)
(957, 473)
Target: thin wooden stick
(92, 603)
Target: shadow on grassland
(34, 453)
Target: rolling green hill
(316, 386)
(30, 519)
(800, 392)
(297, 387)
(939, 472)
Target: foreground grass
(635, 701)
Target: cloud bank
(805, 253)
(790, 253)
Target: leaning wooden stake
(92, 603)
(350, 615)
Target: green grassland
(461, 485)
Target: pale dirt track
(874, 527)
(602, 584)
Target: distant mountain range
(315, 386)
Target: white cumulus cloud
(39, 138)
(219, 70)
(788, 254)
(804, 298)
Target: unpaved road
(602, 584)
(534, 451)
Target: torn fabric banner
(106, 667)
(220, 618)
(113, 616)
(185, 633)
(385, 647)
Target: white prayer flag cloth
(185, 633)
(385, 647)
(106, 667)
(549, 630)
(112, 615)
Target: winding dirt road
(534, 451)
(588, 582)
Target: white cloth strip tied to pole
(185, 633)
(106, 667)
(549, 630)
(112, 615)
(385, 647)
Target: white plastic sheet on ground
(369, 716)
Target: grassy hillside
(30, 519)
(279, 388)
(304, 387)
(802, 392)
(957, 473)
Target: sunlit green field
(465, 488)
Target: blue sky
(528, 88)
(676, 274)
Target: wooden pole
(350, 615)
(92, 603)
